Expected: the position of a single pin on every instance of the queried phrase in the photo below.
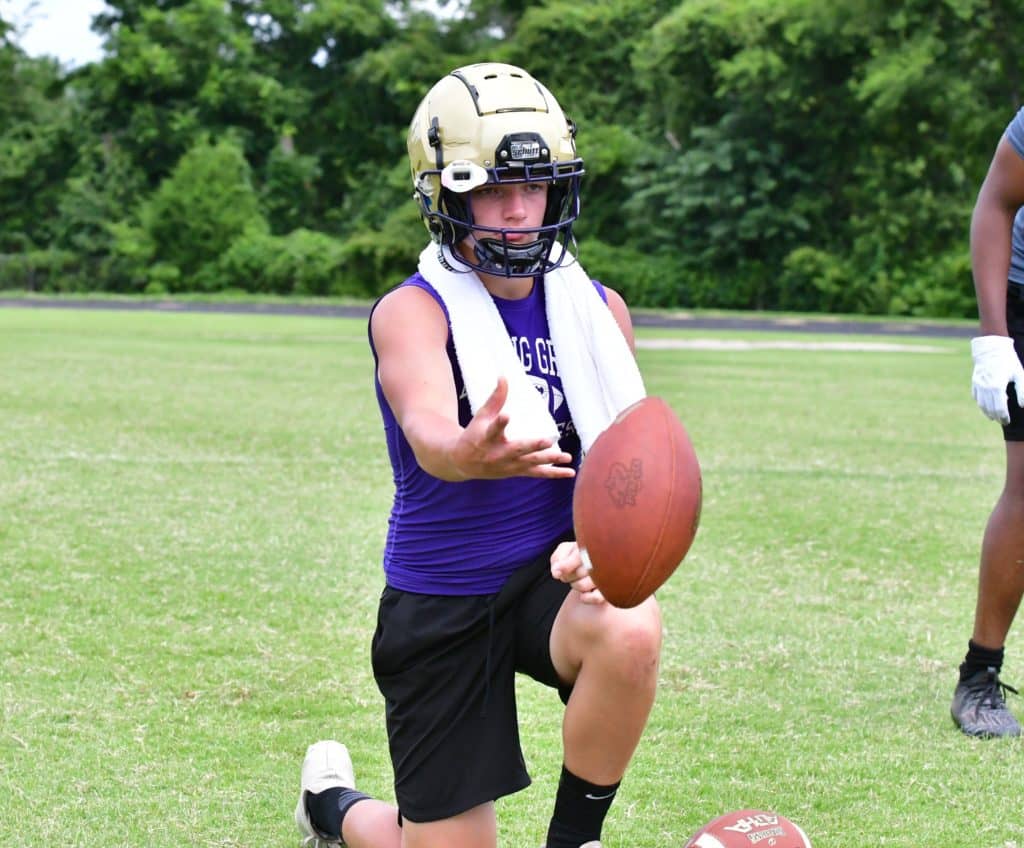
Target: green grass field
(192, 510)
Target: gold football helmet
(494, 123)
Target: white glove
(995, 366)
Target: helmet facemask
(493, 251)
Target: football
(747, 828)
(637, 501)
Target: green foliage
(287, 190)
(770, 153)
(48, 270)
(162, 277)
(180, 70)
(941, 288)
(643, 279)
(738, 182)
(722, 202)
(579, 52)
(812, 132)
(131, 257)
(350, 109)
(201, 208)
(102, 189)
(374, 196)
(37, 148)
(376, 261)
(611, 153)
(302, 262)
(816, 279)
(103, 186)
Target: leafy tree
(37, 145)
(179, 69)
(198, 211)
(102, 188)
(288, 187)
(347, 120)
(848, 129)
(751, 153)
(738, 173)
(579, 51)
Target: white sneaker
(327, 764)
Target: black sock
(979, 658)
(327, 809)
(580, 808)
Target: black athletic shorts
(446, 667)
(1014, 431)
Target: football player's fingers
(582, 583)
(496, 400)
(1002, 411)
(569, 569)
(549, 472)
(495, 430)
(997, 404)
(527, 446)
(992, 402)
(580, 575)
(565, 556)
(546, 456)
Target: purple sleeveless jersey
(467, 538)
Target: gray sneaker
(979, 706)
(327, 764)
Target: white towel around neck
(599, 375)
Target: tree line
(751, 154)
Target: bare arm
(410, 333)
(1000, 196)
(621, 314)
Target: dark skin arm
(1000, 196)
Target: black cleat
(979, 706)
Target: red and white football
(749, 829)
(637, 501)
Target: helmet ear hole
(457, 210)
(436, 229)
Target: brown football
(746, 828)
(637, 501)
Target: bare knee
(623, 643)
(631, 639)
